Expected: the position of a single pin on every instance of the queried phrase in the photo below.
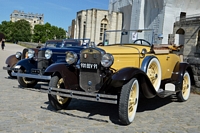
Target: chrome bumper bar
(104, 98)
(33, 76)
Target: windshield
(54, 44)
(143, 37)
(75, 42)
(67, 43)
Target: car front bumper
(97, 97)
(34, 76)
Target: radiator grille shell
(90, 79)
(42, 62)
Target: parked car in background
(35, 65)
(119, 71)
(12, 60)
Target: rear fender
(27, 64)
(179, 71)
(126, 74)
(68, 73)
(11, 60)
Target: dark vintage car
(38, 60)
(119, 71)
(12, 60)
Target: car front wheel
(128, 101)
(184, 94)
(56, 101)
(9, 72)
(26, 82)
(154, 73)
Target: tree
(38, 33)
(21, 31)
(6, 28)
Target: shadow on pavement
(104, 109)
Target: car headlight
(71, 57)
(31, 53)
(48, 54)
(18, 55)
(107, 60)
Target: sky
(59, 13)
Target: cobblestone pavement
(27, 111)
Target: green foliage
(6, 29)
(21, 31)
(42, 33)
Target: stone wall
(191, 51)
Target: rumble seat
(165, 48)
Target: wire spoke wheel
(184, 94)
(128, 101)
(56, 101)
(154, 73)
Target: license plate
(89, 66)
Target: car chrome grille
(42, 62)
(90, 79)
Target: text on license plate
(89, 65)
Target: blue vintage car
(34, 65)
(12, 60)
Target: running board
(165, 93)
(97, 97)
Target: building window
(103, 28)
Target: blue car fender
(27, 64)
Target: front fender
(68, 73)
(126, 74)
(145, 63)
(27, 64)
(11, 60)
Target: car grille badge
(85, 56)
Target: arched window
(103, 27)
(180, 37)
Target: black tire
(9, 72)
(184, 94)
(154, 73)
(128, 101)
(24, 82)
(58, 102)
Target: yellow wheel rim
(61, 100)
(186, 85)
(152, 73)
(132, 100)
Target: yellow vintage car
(127, 65)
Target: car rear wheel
(154, 73)
(128, 101)
(184, 94)
(58, 102)
(26, 82)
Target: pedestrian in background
(3, 44)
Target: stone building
(33, 19)
(92, 23)
(187, 32)
(159, 15)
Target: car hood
(121, 49)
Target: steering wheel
(142, 42)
